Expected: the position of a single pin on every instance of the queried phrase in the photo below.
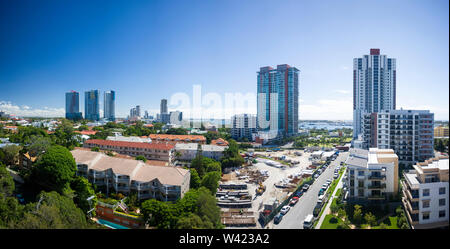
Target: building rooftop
(181, 138)
(159, 146)
(209, 147)
(186, 146)
(129, 139)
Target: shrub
(399, 211)
(333, 220)
(383, 226)
(95, 149)
(341, 226)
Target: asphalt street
(294, 218)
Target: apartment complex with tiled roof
(151, 151)
(126, 175)
(178, 138)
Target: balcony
(377, 186)
(377, 177)
(121, 180)
(376, 197)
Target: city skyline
(140, 71)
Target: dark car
(278, 218)
(299, 193)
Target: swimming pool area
(111, 225)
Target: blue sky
(148, 50)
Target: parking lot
(294, 218)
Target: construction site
(256, 189)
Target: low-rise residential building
(425, 194)
(188, 151)
(128, 175)
(152, 151)
(372, 175)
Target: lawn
(391, 223)
(327, 225)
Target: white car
(336, 176)
(285, 209)
(329, 181)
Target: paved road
(294, 218)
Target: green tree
(51, 211)
(211, 181)
(97, 149)
(10, 211)
(158, 213)
(142, 158)
(195, 179)
(83, 190)
(357, 214)
(55, 169)
(370, 219)
(207, 207)
(193, 221)
(383, 226)
(6, 181)
(11, 154)
(39, 145)
(231, 157)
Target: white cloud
(330, 109)
(342, 91)
(344, 68)
(26, 111)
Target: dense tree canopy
(83, 190)
(55, 169)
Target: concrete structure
(441, 131)
(243, 126)
(91, 105)
(175, 117)
(128, 175)
(163, 108)
(374, 86)
(151, 151)
(277, 101)
(135, 112)
(73, 106)
(425, 194)
(372, 175)
(129, 139)
(188, 151)
(408, 132)
(109, 100)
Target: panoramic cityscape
(272, 148)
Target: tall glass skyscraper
(278, 100)
(91, 105)
(374, 86)
(109, 99)
(73, 106)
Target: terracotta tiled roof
(89, 132)
(220, 141)
(159, 146)
(148, 125)
(170, 137)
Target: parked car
(305, 187)
(278, 218)
(325, 186)
(308, 222)
(329, 181)
(336, 175)
(316, 176)
(321, 191)
(298, 193)
(285, 209)
(293, 201)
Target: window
(360, 173)
(426, 203)
(426, 216)
(441, 213)
(426, 192)
(442, 191)
(442, 202)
